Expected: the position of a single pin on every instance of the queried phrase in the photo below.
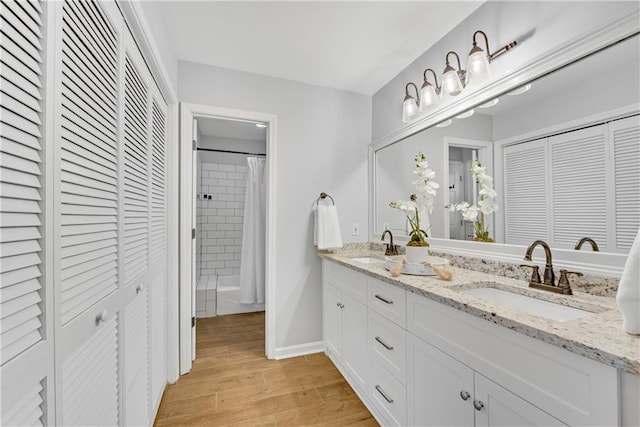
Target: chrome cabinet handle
(478, 405)
(138, 289)
(382, 393)
(384, 344)
(340, 305)
(465, 395)
(383, 299)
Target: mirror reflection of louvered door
(26, 346)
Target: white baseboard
(298, 350)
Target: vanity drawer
(388, 300)
(388, 396)
(388, 345)
(348, 281)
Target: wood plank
(232, 383)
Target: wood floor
(232, 383)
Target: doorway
(221, 153)
(459, 154)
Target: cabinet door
(354, 329)
(333, 321)
(496, 406)
(439, 388)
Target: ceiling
(356, 46)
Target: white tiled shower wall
(222, 217)
(198, 221)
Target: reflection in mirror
(565, 155)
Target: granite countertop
(598, 336)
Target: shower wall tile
(222, 217)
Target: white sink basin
(368, 260)
(550, 310)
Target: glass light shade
(520, 90)
(451, 83)
(491, 103)
(409, 109)
(444, 124)
(478, 68)
(428, 97)
(466, 114)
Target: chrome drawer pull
(465, 395)
(478, 405)
(383, 394)
(384, 344)
(383, 299)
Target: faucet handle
(563, 282)
(535, 273)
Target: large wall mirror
(564, 151)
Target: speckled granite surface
(598, 336)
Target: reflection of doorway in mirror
(456, 195)
(462, 187)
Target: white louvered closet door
(158, 253)
(624, 135)
(579, 173)
(525, 192)
(88, 301)
(26, 353)
(136, 144)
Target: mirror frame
(608, 264)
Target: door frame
(188, 112)
(485, 156)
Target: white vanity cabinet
(444, 391)
(345, 322)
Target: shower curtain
(252, 258)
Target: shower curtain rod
(230, 151)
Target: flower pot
(417, 254)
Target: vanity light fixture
(478, 67)
(429, 95)
(409, 105)
(452, 78)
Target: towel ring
(323, 196)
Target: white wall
(323, 136)
(160, 38)
(537, 26)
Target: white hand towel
(327, 229)
(628, 296)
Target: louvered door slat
(26, 411)
(26, 18)
(88, 174)
(20, 174)
(18, 45)
(17, 94)
(136, 180)
(625, 137)
(579, 192)
(85, 401)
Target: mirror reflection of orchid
(421, 203)
(486, 204)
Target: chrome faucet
(391, 248)
(549, 277)
(594, 245)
